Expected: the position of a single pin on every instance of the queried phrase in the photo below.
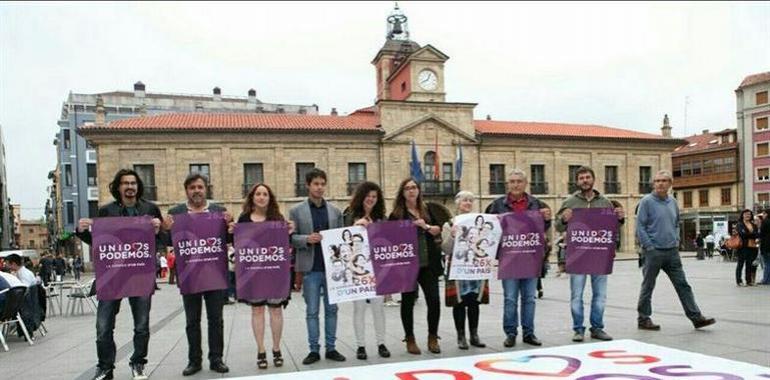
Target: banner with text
(475, 248)
(393, 247)
(124, 257)
(349, 271)
(200, 246)
(591, 238)
(262, 260)
(522, 246)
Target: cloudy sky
(621, 65)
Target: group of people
(754, 238)
(656, 229)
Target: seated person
(7, 281)
(13, 262)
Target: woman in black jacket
(748, 233)
(409, 205)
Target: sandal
(262, 360)
(277, 359)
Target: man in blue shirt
(657, 227)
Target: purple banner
(395, 259)
(591, 238)
(522, 246)
(200, 246)
(262, 260)
(124, 257)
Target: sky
(623, 65)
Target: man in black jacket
(195, 186)
(127, 190)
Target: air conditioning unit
(93, 193)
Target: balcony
(150, 192)
(538, 187)
(352, 186)
(645, 187)
(300, 190)
(612, 188)
(440, 188)
(496, 187)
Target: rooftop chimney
(334, 111)
(217, 94)
(139, 89)
(666, 128)
(252, 96)
(489, 117)
(99, 120)
(705, 131)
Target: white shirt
(709, 238)
(26, 276)
(12, 280)
(163, 262)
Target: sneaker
(137, 371)
(578, 337)
(383, 351)
(361, 353)
(335, 355)
(102, 374)
(647, 324)
(702, 321)
(600, 334)
(311, 358)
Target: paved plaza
(742, 331)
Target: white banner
(476, 241)
(349, 272)
(615, 360)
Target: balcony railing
(612, 188)
(150, 192)
(440, 188)
(538, 187)
(300, 190)
(352, 186)
(645, 187)
(496, 187)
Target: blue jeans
(105, 326)
(766, 273)
(312, 285)
(512, 288)
(577, 283)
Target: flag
(415, 171)
(459, 162)
(436, 164)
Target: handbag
(734, 242)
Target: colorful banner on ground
(591, 238)
(616, 360)
(262, 260)
(393, 247)
(349, 271)
(475, 248)
(124, 257)
(522, 245)
(200, 246)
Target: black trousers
(746, 256)
(215, 301)
(428, 281)
(469, 301)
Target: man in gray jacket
(657, 227)
(586, 197)
(196, 189)
(311, 217)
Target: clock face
(427, 80)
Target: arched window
(429, 166)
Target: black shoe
(383, 351)
(360, 353)
(532, 339)
(335, 355)
(219, 367)
(702, 321)
(102, 374)
(137, 371)
(539, 294)
(462, 343)
(191, 369)
(476, 341)
(510, 341)
(647, 324)
(311, 358)
(600, 334)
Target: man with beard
(127, 190)
(586, 197)
(196, 188)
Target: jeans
(669, 261)
(512, 288)
(215, 301)
(314, 284)
(766, 263)
(577, 283)
(106, 312)
(428, 281)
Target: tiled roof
(241, 121)
(703, 143)
(754, 79)
(529, 128)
